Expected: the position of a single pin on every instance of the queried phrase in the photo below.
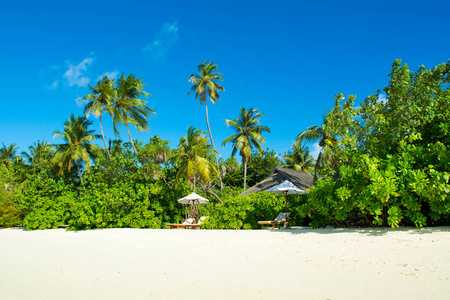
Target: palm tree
(248, 135)
(230, 165)
(39, 153)
(127, 108)
(102, 97)
(299, 158)
(192, 157)
(8, 153)
(78, 148)
(206, 86)
(311, 134)
(317, 133)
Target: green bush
(244, 212)
(9, 210)
(46, 202)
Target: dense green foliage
(244, 212)
(261, 166)
(393, 155)
(120, 191)
(9, 211)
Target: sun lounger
(281, 219)
(188, 223)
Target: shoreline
(297, 263)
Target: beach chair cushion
(189, 221)
(282, 217)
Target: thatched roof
(300, 179)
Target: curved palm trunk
(79, 173)
(212, 142)
(245, 176)
(103, 136)
(131, 140)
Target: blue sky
(285, 58)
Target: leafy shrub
(244, 212)
(46, 202)
(9, 211)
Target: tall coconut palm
(299, 158)
(103, 94)
(128, 109)
(206, 86)
(191, 158)
(248, 135)
(77, 148)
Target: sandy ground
(299, 263)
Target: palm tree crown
(299, 158)
(8, 153)
(128, 108)
(39, 152)
(248, 135)
(192, 157)
(311, 134)
(206, 84)
(317, 133)
(77, 148)
(103, 95)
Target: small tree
(191, 157)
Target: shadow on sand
(361, 230)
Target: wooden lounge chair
(188, 223)
(281, 219)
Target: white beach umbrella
(193, 199)
(286, 187)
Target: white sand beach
(300, 263)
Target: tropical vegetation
(385, 162)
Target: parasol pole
(285, 209)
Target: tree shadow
(369, 231)
(21, 228)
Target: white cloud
(53, 86)
(75, 74)
(111, 75)
(78, 102)
(164, 40)
(315, 150)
